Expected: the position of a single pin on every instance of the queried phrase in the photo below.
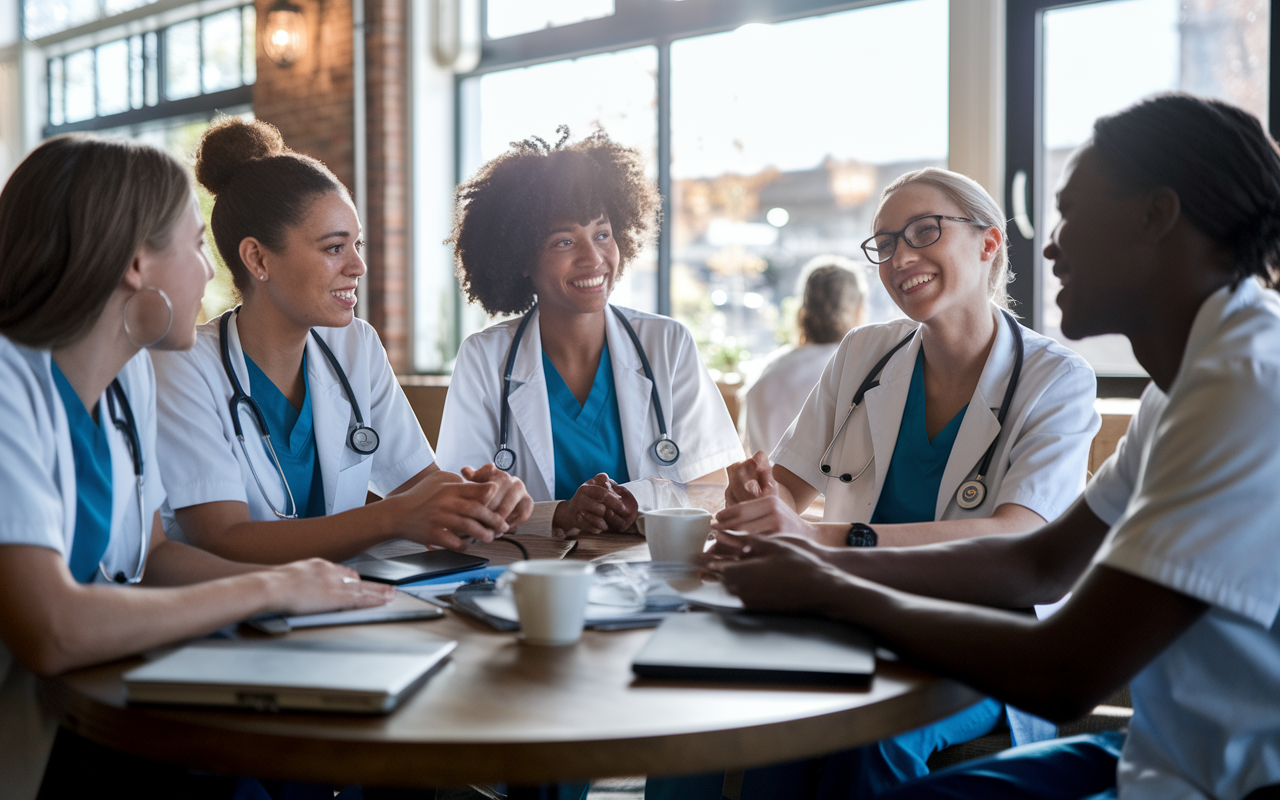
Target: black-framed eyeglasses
(919, 233)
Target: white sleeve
(469, 425)
(801, 447)
(403, 449)
(193, 446)
(1202, 520)
(1112, 486)
(699, 415)
(33, 509)
(1048, 462)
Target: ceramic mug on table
(676, 534)
(551, 599)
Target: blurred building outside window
(1135, 48)
(782, 138)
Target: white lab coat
(37, 471)
(696, 417)
(1041, 455)
(774, 399)
(202, 462)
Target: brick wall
(387, 81)
(312, 103)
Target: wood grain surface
(501, 710)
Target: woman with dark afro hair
(575, 397)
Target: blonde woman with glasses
(953, 423)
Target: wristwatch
(861, 535)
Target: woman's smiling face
(577, 266)
(314, 278)
(953, 271)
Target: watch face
(666, 451)
(504, 460)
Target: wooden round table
(504, 711)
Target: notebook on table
(357, 677)
(768, 648)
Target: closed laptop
(770, 648)
(358, 677)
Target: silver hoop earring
(139, 318)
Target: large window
(46, 17)
(177, 68)
(782, 138)
(511, 105)
(1098, 58)
(769, 127)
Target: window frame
(1024, 115)
(634, 23)
(155, 18)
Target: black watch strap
(861, 535)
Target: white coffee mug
(676, 534)
(551, 599)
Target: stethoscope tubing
(240, 398)
(972, 493)
(505, 458)
(128, 427)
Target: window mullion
(664, 176)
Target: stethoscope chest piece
(363, 439)
(504, 459)
(666, 451)
(971, 494)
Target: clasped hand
(601, 504)
(481, 504)
(752, 503)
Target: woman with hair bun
(575, 396)
(276, 425)
(1170, 235)
(102, 259)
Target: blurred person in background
(835, 302)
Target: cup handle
(505, 581)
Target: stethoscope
(972, 492)
(122, 418)
(361, 438)
(664, 450)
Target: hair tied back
(230, 144)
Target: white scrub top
(1041, 453)
(696, 417)
(774, 399)
(1193, 497)
(37, 471)
(202, 462)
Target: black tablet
(417, 567)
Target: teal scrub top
(587, 437)
(92, 454)
(910, 492)
(293, 437)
